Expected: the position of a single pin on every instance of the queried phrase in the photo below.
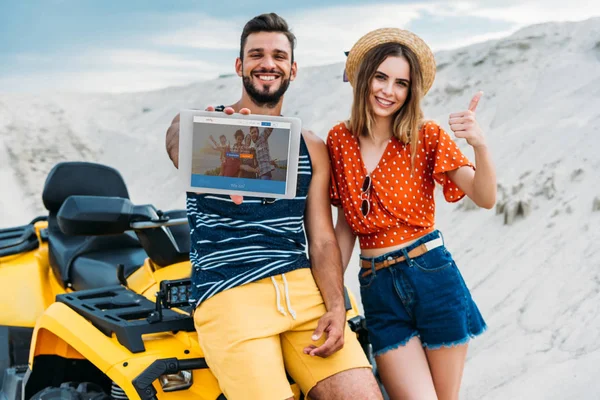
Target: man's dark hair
(237, 133)
(267, 23)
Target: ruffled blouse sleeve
(446, 157)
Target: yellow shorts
(249, 344)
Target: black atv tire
(72, 391)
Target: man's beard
(265, 98)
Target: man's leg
(346, 374)
(266, 177)
(352, 384)
(241, 342)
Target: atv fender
(62, 332)
(28, 288)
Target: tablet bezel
(186, 129)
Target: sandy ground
(13, 211)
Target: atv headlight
(177, 292)
(179, 381)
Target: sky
(139, 45)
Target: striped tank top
(232, 245)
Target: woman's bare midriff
(377, 252)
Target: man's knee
(357, 383)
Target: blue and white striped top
(232, 245)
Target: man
(263, 154)
(260, 311)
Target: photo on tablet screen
(243, 155)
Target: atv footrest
(118, 310)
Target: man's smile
(267, 78)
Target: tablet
(248, 155)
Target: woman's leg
(447, 365)
(405, 373)
(446, 318)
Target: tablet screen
(240, 155)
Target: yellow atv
(94, 298)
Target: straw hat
(392, 35)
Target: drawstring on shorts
(286, 295)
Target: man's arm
(345, 237)
(172, 141)
(325, 256)
(215, 145)
(267, 132)
(172, 137)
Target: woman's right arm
(345, 237)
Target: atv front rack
(118, 310)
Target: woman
(223, 148)
(385, 162)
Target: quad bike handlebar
(99, 215)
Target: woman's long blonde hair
(409, 119)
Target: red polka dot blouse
(402, 205)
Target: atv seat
(164, 246)
(87, 262)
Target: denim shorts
(423, 296)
